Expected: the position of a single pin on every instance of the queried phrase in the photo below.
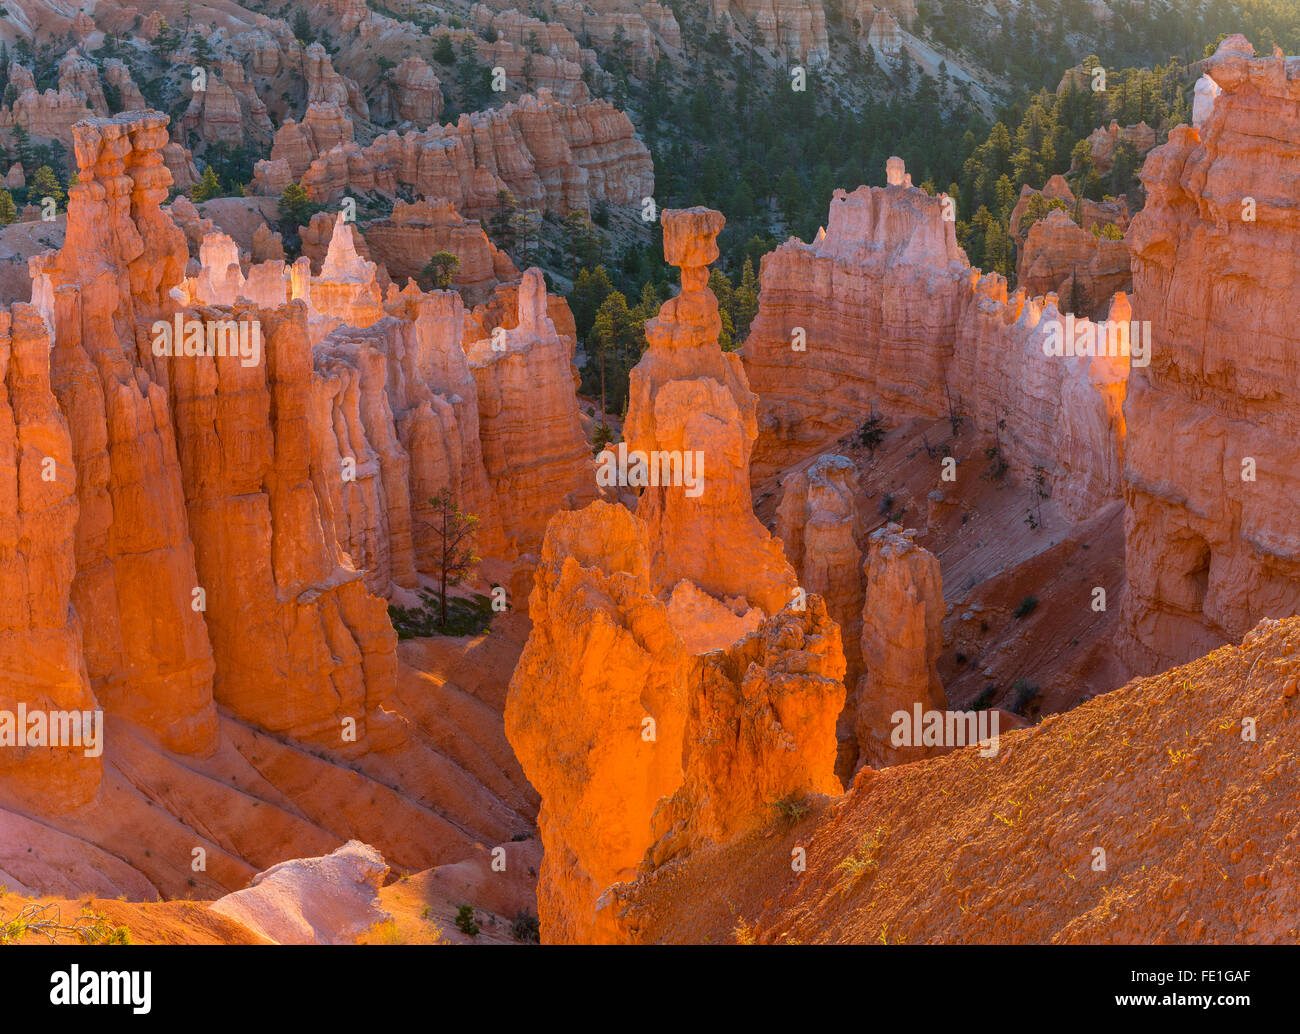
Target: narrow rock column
(902, 636)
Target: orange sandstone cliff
(1210, 469)
(608, 701)
(883, 313)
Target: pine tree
(745, 301)
(295, 206)
(164, 44)
(302, 29)
(590, 290)
(455, 558)
(45, 184)
(501, 226)
(443, 52)
(201, 50)
(440, 268)
(208, 187)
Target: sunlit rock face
(596, 712)
(42, 667)
(1210, 468)
(760, 729)
(882, 311)
(689, 401)
(147, 653)
(671, 668)
(611, 715)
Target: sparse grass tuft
(526, 928)
(464, 617)
(792, 807)
(863, 858)
(1025, 692)
(383, 933)
(744, 933)
(47, 920)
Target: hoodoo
(687, 593)
(425, 517)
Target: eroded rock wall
(1211, 551)
(882, 313)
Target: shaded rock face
(416, 91)
(1084, 271)
(404, 242)
(395, 404)
(902, 636)
(222, 114)
(645, 30)
(547, 154)
(819, 523)
(206, 568)
(324, 126)
(560, 76)
(52, 114)
(794, 28)
(537, 458)
(1103, 141)
(882, 33)
(501, 309)
(884, 311)
(329, 900)
(286, 607)
(1084, 211)
(189, 550)
(650, 672)
(1209, 550)
(326, 86)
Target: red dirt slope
(1200, 829)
